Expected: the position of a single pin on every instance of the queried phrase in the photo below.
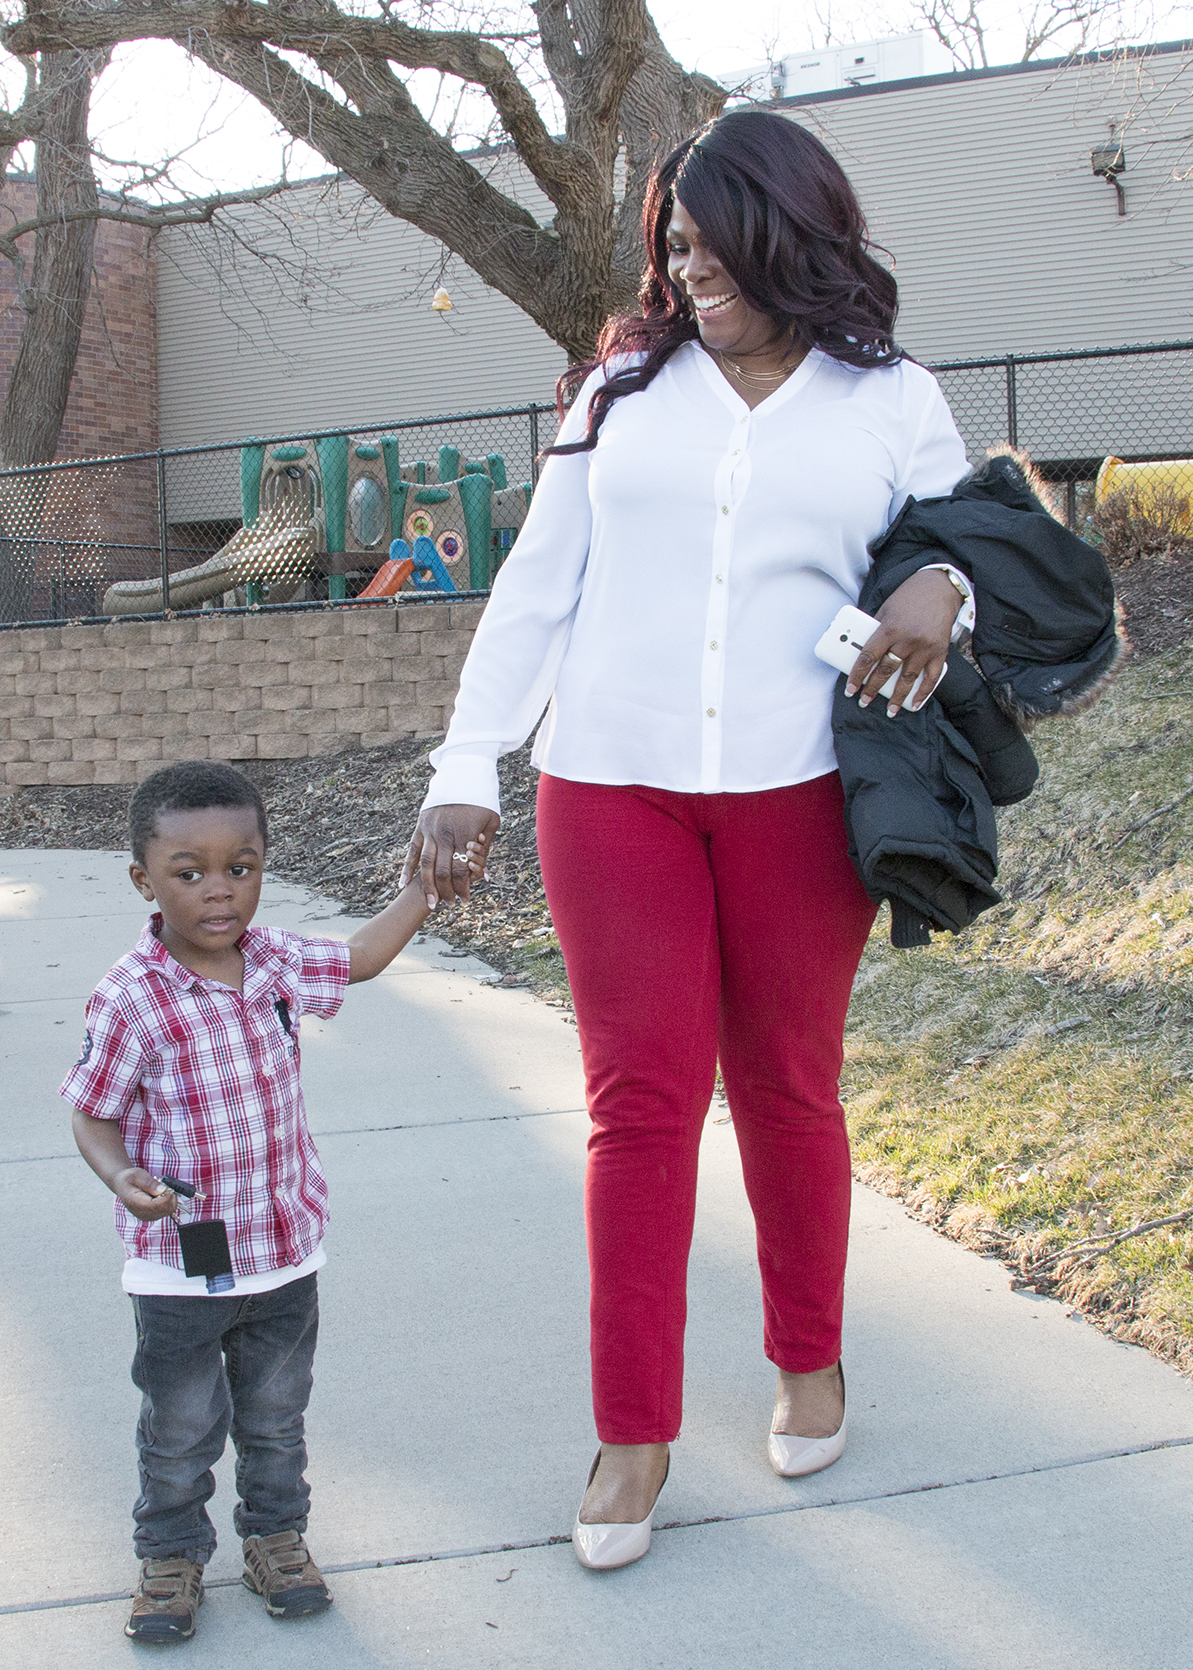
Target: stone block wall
(110, 703)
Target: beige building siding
(1004, 240)
(344, 334)
(979, 185)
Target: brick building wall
(113, 399)
(109, 704)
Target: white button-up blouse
(667, 589)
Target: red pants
(697, 925)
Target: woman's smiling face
(726, 321)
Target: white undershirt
(667, 589)
(146, 1276)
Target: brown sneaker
(279, 1569)
(165, 1602)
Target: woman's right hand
(439, 849)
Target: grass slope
(1027, 1085)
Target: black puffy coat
(920, 790)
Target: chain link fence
(1109, 430)
(434, 505)
(430, 505)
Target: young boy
(189, 1107)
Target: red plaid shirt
(204, 1083)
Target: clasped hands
(449, 849)
(451, 844)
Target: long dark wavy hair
(778, 212)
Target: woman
(704, 514)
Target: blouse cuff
(465, 780)
(965, 618)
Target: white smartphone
(848, 634)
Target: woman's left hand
(917, 621)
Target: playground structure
(347, 507)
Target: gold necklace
(757, 377)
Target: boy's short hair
(190, 786)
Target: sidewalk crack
(434, 1556)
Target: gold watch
(961, 590)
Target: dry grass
(1133, 523)
(1030, 1083)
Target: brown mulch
(1156, 593)
(340, 823)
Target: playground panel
(351, 504)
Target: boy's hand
(144, 1195)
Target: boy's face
(204, 869)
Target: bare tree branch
(337, 81)
(25, 122)
(1087, 1252)
(961, 26)
(332, 38)
(1051, 18)
(197, 211)
(958, 26)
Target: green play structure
(335, 504)
(369, 498)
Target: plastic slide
(277, 551)
(1160, 491)
(390, 577)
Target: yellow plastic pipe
(1153, 488)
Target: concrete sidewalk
(1016, 1491)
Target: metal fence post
(162, 530)
(534, 445)
(1012, 403)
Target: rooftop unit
(897, 58)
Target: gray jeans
(206, 1367)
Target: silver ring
(897, 659)
(462, 856)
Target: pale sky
(154, 101)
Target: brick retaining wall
(108, 703)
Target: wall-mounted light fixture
(1108, 160)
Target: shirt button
(720, 582)
(712, 713)
(724, 510)
(713, 645)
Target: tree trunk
(53, 292)
(662, 105)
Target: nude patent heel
(605, 1547)
(793, 1457)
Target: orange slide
(389, 579)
